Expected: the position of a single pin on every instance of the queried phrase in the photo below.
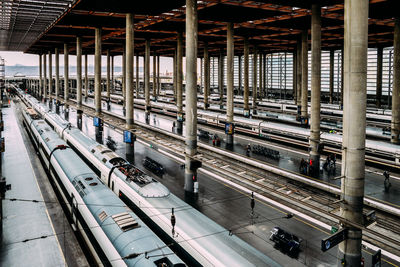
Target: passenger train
(380, 152)
(196, 239)
(113, 234)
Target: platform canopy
(23, 21)
(271, 25)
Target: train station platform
(226, 204)
(288, 159)
(29, 238)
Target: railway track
(320, 204)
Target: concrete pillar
(354, 120)
(201, 77)
(147, 80)
(229, 78)
(299, 75)
(112, 87)
(129, 46)
(342, 81)
(260, 76)
(396, 84)
(66, 84)
(57, 59)
(264, 80)
(255, 80)
(158, 76)
(240, 75)
(174, 74)
(97, 72)
(154, 76)
(50, 77)
(315, 88)
(206, 76)
(179, 83)
(379, 77)
(108, 81)
(246, 109)
(221, 77)
(304, 74)
(79, 71)
(124, 81)
(294, 94)
(86, 78)
(331, 74)
(137, 77)
(44, 78)
(191, 184)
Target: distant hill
(34, 70)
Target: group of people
(216, 141)
(305, 166)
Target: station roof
(23, 21)
(271, 25)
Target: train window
(112, 186)
(104, 160)
(93, 184)
(88, 178)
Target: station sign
(229, 128)
(333, 240)
(96, 122)
(129, 137)
(179, 117)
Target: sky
(14, 58)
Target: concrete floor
(226, 205)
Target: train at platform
(111, 233)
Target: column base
(79, 119)
(229, 140)
(191, 185)
(99, 134)
(57, 107)
(130, 152)
(179, 127)
(108, 105)
(66, 114)
(349, 252)
(147, 117)
(315, 167)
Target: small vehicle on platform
(288, 242)
(153, 166)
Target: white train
(113, 234)
(196, 239)
(381, 152)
